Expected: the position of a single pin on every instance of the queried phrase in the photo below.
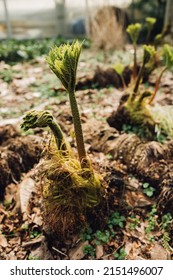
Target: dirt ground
(138, 194)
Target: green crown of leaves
(133, 30)
(63, 61)
(119, 68)
(149, 52)
(150, 21)
(168, 56)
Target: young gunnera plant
(136, 108)
(69, 185)
(133, 31)
(150, 21)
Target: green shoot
(43, 119)
(150, 21)
(120, 255)
(116, 220)
(148, 190)
(102, 237)
(63, 62)
(134, 222)
(152, 220)
(119, 68)
(158, 39)
(133, 30)
(168, 61)
(69, 185)
(89, 250)
(149, 52)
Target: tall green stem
(135, 62)
(78, 129)
(157, 85)
(138, 79)
(148, 34)
(123, 82)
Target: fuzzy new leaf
(119, 68)
(150, 21)
(149, 52)
(133, 30)
(168, 56)
(63, 61)
(36, 119)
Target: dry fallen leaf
(157, 252)
(15, 241)
(3, 241)
(133, 250)
(27, 186)
(37, 219)
(138, 232)
(77, 252)
(41, 253)
(99, 251)
(1, 218)
(12, 256)
(137, 199)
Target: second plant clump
(69, 185)
(136, 112)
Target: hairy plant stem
(123, 82)
(78, 130)
(157, 85)
(135, 90)
(148, 35)
(59, 137)
(135, 62)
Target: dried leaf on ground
(157, 252)
(27, 186)
(133, 249)
(99, 251)
(3, 241)
(137, 199)
(77, 253)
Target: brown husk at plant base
(150, 161)
(67, 190)
(61, 221)
(133, 113)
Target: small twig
(55, 249)
(38, 240)
(13, 179)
